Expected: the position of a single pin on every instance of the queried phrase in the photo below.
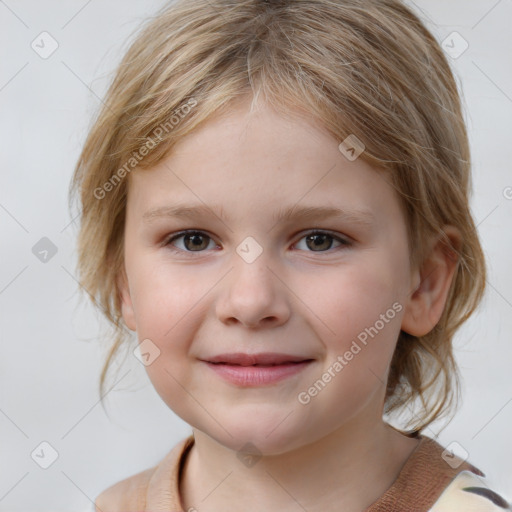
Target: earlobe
(126, 301)
(426, 303)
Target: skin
(334, 453)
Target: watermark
(149, 144)
(455, 45)
(249, 455)
(249, 249)
(44, 455)
(146, 352)
(44, 250)
(454, 455)
(44, 45)
(304, 397)
(352, 147)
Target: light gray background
(51, 358)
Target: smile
(257, 374)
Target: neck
(349, 469)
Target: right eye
(193, 241)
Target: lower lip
(257, 375)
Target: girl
(275, 198)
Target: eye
(322, 240)
(193, 240)
(196, 241)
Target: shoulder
(128, 495)
(468, 491)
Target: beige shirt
(426, 483)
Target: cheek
(162, 297)
(360, 314)
(350, 301)
(168, 303)
(168, 309)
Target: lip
(263, 358)
(242, 369)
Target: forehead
(257, 163)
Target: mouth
(264, 359)
(265, 365)
(245, 370)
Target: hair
(368, 68)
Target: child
(275, 199)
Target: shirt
(431, 480)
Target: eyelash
(344, 243)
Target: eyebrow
(363, 218)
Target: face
(329, 290)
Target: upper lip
(243, 359)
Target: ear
(126, 300)
(425, 305)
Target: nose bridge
(252, 293)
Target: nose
(253, 294)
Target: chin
(259, 437)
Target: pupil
(196, 240)
(316, 241)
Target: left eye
(194, 241)
(319, 239)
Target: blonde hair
(368, 68)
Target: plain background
(51, 356)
